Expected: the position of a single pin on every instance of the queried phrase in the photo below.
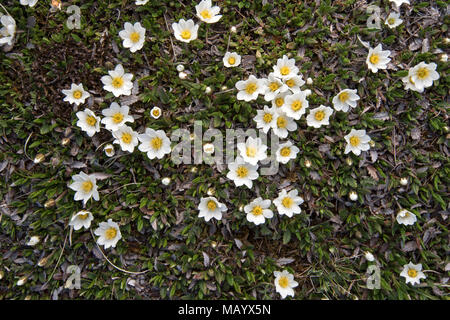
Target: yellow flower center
(374, 58)
(211, 205)
(281, 122)
(422, 73)
(83, 216)
(274, 86)
(126, 137)
(186, 34)
(156, 143)
(117, 118)
(134, 37)
(156, 113)
(117, 82)
(77, 94)
(267, 117)
(111, 233)
(290, 83)
(287, 202)
(109, 150)
(257, 211)
(319, 115)
(90, 120)
(87, 186)
(354, 141)
(412, 273)
(343, 96)
(391, 20)
(251, 87)
(279, 102)
(283, 282)
(251, 152)
(296, 105)
(206, 14)
(242, 172)
(285, 151)
(231, 60)
(285, 70)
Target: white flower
(155, 143)
(404, 181)
(210, 207)
(208, 148)
(283, 124)
(295, 105)
(208, 90)
(265, 119)
(294, 83)
(155, 112)
(118, 82)
(126, 137)
(85, 187)
(88, 122)
(81, 219)
(30, 3)
(165, 181)
(272, 87)
(284, 283)
(109, 234)
(345, 99)
(109, 150)
(182, 75)
(34, 240)
(133, 36)
(258, 210)
(319, 116)
(76, 94)
(8, 30)
(353, 196)
(393, 20)
(231, 59)
(412, 273)
(377, 58)
(242, 173)
(141, 2)
(207, 13)
(369, 256)
(357, 141)
(406, 217)
(288, 203)
(233, 29)
(286, 152)
(22, 281)
(279, 100)
(285, 68)
(185, 31)
(309, 81)
(423, 75)
(398, 3)
(180, 68)
(116, 116)
(253, 150)
(250, 89)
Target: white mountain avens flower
(406, 217)
(286, 151)
(207, 13)
(258, 211)
(357, 141)
(273, 86)
(108, 234)
(295, 105)
(377, 58)
(288, 203)
(231, 59)
(8, 31)
(88, 122)
(155, 143)
(85, 187)
(81, 219)
(76, 94)
(210, 207)
(250, 89)
(242, 173)
(393, 20)
(116, 116)
(126, 137)
(345, 99)
(319, 116)
(284, 283)
(423, 75)
(133, 36)
(412, 273)
(155, 112)
(118, 82)
(265, 119)
(279, 100)
(30, 3)
(294, 83)
(252, 150)
(185, 31)
(109, 150)
(285, 68)
(283, 124)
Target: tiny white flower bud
(224, 88)
(211, 192)
(307, 92)
(165, 181)
(182, 75)
(208, 148)
(309, 81)
(39, 158)
(194, 169)
(208, 90)
(34, 240)
(22, 280)
(404, 181)
(307, 163)
(233, 29)
(369, 256)
(180, 68)
(444, 57)
(109, 150)
(349, 161)
(353, 196)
